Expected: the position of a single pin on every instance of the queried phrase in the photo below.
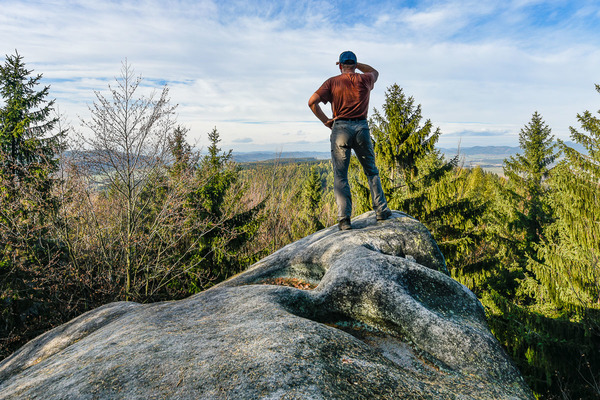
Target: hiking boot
(385, 214)
(344, 224)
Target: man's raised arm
(367, 69)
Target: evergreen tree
(571, 251)
(401, 142)
(526, 174)
(220, 173)
(418, 180)
(307, 219)
(29, 147)
(183, 158)
(548, 320)
(313, 194)
(359, 187)
(230, 224)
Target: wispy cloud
(248, 67)
(243, 140)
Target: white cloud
(249, 67)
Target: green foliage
(359, 187)
(183, 158)
(553, 354)
(532, 312)
(400, 140)
(290, 192)
(27, 153)
(313, 194)
(307, 215)
(418, 181)
(526, 175)
(28, 207)
(570, 270)
(216, 200)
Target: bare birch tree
(124, 154)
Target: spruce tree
(29, 147)
(28, 157)
(229, 224)
(419, 181)
(526, 174)
(307, 219)
(401, 141)
(549, 320)
(220, 173)
(183, 158)
(571, 251)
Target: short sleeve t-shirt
(348, 94)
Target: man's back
(348, 93)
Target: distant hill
(485, 151)
(492, 153)
(490, 158)
(482, 150)
(272, 155)
(499, 151)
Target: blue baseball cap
(348, 57)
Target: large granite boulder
(369, 313)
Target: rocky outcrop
(373, 315)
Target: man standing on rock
(349, 95)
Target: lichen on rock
(369, 313)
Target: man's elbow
(314, 100)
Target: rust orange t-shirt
(348, 94)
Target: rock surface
(383, 322)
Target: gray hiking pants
(347, 136)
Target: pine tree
(230, 224)
(526, 174)
(29, 148)
(418, 181)
(571, 252)
(401, 142)
(307, 219)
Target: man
(349, 95)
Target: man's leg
(340, 159)
(365, 154)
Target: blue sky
(478, 68)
